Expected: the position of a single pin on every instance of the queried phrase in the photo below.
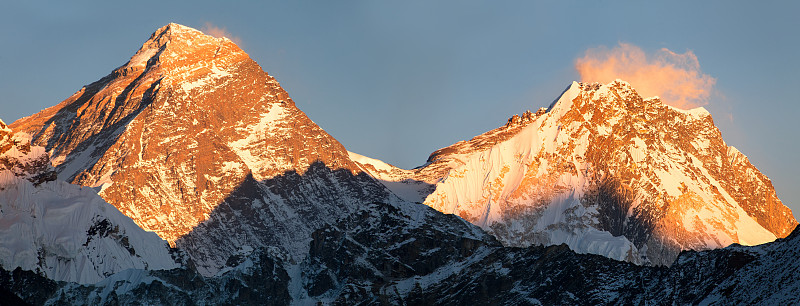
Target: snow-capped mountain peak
(174, 41)
(607, 172)
(194, 141)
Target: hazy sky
(398, 80)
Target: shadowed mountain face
(281, 212)
(191, 123)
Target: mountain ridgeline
(189, 176)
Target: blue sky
(398, 80)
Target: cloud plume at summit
(219, 32)
(675, 78)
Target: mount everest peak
(194, 141)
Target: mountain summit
(194, 141)
(606, 172)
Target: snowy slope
(396, 179)
(63, 231)
(605, 172)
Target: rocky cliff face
(194, 141)
(606, 172)
(19, 160)
(63, 231)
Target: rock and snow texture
(413, 255)
(605, 172)
(194, 141)
(62, 231)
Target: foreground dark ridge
(384, 255)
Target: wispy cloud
(675, 78)
(216, 31)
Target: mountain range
(189, 176)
